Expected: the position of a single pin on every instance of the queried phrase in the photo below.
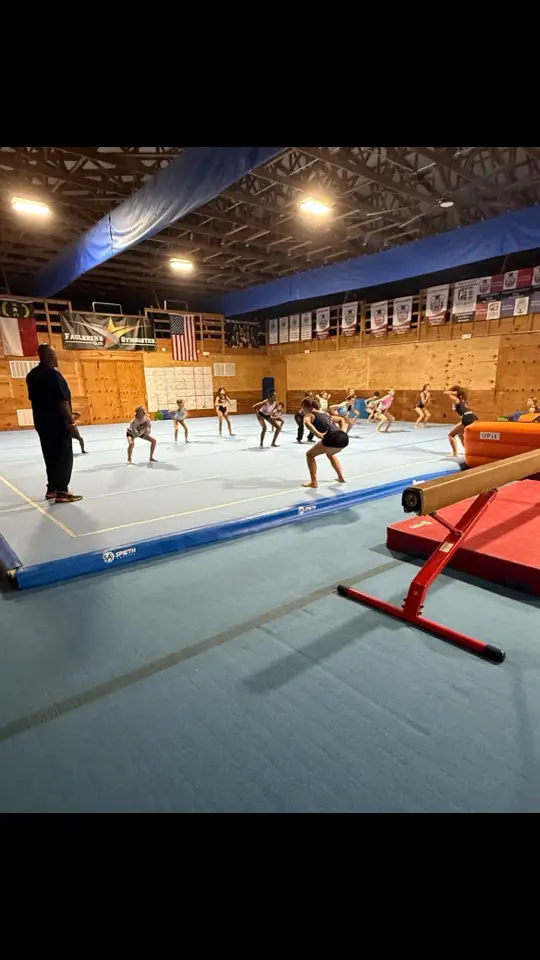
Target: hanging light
(181, 265)
(24, 205)
(314, 206)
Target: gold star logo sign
(113, 333)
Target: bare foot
(153, 460)
(341, 480)
(311, 484)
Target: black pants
(300, 424)
(57, 449)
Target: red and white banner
(322, 322)
(349, 319)
(487, 286)
(437, 303)
(402, 314)
(518, 279)
(283, 329)
(18, 329)
(379, 318)
(294, 328)
(536, 277)
(307, 326)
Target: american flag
(184, 340)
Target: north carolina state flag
(18, 328)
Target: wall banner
(273, 331)
(349, 319)
(307, 326)
(437, 303)
(322, 323)
(465, 297)
(294, 328)
(379, 318)
(283, 329)
(402, 314)
(90, 331)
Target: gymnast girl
(323, 399)
(532, 405)
(140, 428)
(265, 412)
(75, 433)
(347, 410)
(222, 405)
(372, 404)
(466, 416)
(421, 406)
(179, 419)
(299, 419)
(383, 411)
(332, 439)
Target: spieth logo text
(110, 557)
(489, 436)
(302, 510)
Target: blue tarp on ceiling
(510, 233)
(198, 175)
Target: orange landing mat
(504, 547)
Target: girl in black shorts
(458, 397)
(422, 406)
(222, 404)
(332, 439)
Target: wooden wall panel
(405, 366)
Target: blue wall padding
(509, 233)
(190, 180)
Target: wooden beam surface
(426, 498)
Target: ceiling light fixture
(23, 205)
(446, 204)
(181, 265)
(316, 207)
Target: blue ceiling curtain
(190, 180)
(510, 233)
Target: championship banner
(536, 277)
(508, 305)
(465, 297)
(493, 310)
(379, 318)
(322, 323)
(518, 279)
(307, 326)
(521, 306)
(437, 303)
(294, 328)
(488, 286)
(87, 331)
(402, 314)
(273, 331)
(349, 319)
(534, 302)
(283, 329)
(242, 334)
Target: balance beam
(426, 498)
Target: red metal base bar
(410, 612)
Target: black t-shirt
(46, 389)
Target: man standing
(50, 397)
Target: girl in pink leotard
(265, 412)
(384, 411)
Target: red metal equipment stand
(410, 612)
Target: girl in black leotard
(332, 438)
(466, 416)
(421, 408)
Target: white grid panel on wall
(224, 369)
(166, 385)
(25, 418)
(18, 369)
